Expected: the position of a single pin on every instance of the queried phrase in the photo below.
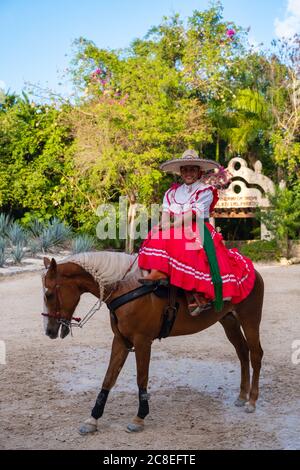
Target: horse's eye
(48, 295)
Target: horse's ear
(50, 265)
(46, 262)
(53, 265)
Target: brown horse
(139, 323)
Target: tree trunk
(131, 219)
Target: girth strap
(170, 312)
(122, 300)
(131, 295)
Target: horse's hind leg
(118, 356)
(142, 346)
(234, 334)
(249, 317)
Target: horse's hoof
(89, 426)
(131, 427)
(137, 425)
(249, 408)
(240, 402)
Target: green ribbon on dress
(210, 251)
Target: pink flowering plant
(230, 33)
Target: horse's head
(61, 296)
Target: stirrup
(195, 306)
(154, 282)
(200, 308)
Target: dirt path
(48, 387)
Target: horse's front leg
(118, 356)
(142, 346)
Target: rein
(79, 322)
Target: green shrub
(261, 250)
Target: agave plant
(36, 227)
(3, 258)
(34, 245)
(82, 243)
(3, 255)
(61, 231)
(55, 234)
(46, 239)
(5, 223)
(18, 252)
(16, 234)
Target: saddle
(197, 303)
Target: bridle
(74, 321)
(77, 321)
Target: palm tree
(251, 119)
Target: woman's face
(190, 174)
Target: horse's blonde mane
(106, 267)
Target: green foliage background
(182, 85)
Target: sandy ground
(49, 386)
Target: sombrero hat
(188, 158)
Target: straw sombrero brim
(173, 166)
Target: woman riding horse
(186, 249)
(194, 262)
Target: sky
(36, 35)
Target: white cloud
(2, 85)
(294, 7)
(290, 25)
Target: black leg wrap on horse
(143, 403)
(98, 409)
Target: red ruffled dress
(179, 252)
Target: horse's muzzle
(52, 331)
(64, 331)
